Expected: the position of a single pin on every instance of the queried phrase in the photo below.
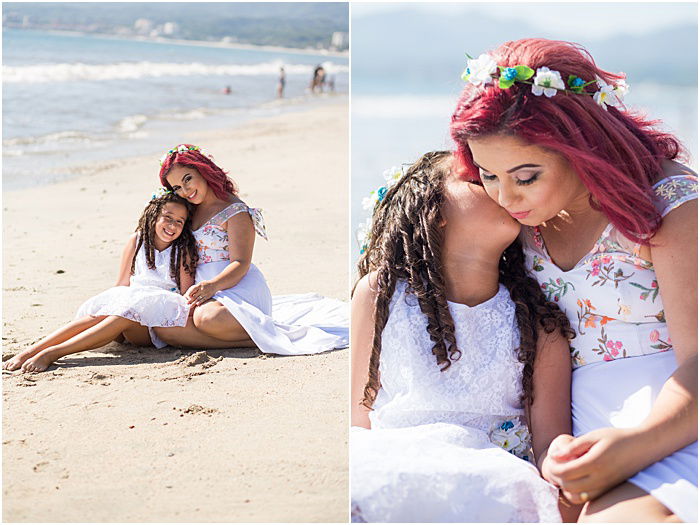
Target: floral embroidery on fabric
(212, 237)
(609, 349)
(611, 296)
(602, 270)
(646, 292)
(556, 289)
(586, 315)
(537, 264)
(660, 344)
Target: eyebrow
(516, 168)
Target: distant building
(143, 26)
(170, 28)
(340, 40)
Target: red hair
(617, 154)
(216, 178)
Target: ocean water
(390, 130)
(70, 100)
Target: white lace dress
(429, 456)
(151, 299)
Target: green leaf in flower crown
(504, 83)
(524, 73)
(465, 75)
(469, 56)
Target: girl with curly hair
(157, 265)
(609, 230)
(456, 356)
(231, 300)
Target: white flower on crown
(513, 438)
(481, 69)
(547, 81)
(392, 175)
(182, 148)
(621, 89)
(363, 232)
(608, 95)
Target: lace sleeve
(239, 207)
(671, 192)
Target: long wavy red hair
(616, 153)
(216, 178)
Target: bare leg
(190, 336)
(138, 336)
(99, 335)
(626, 503)
(214, 319)
(59, 336)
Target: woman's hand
(200, 292)
(591, 464)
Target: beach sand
(142, 435)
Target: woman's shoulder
(677, 185)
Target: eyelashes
(519, 182)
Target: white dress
(151, 299)
(431, 455)
(288, 325)
(622, 353)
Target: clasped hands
(589, 465)
(198, 293)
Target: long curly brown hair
(405, 245)
(184, 252)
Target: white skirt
(285, 325)
(147, 305)
(442, 472)
(620, 394)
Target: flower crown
(160, 192)
(391, 176)
(484, 70)
(182, 148)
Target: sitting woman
(609, 230)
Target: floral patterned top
(212, 237)
(611, 295)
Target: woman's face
(188, 183)
(170, 222)
(530, 182)
(469, 214)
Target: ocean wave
(74, 72)
(61, 136)
(132, 123)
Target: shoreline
(146, 435)
(144, 139)
(200, 43)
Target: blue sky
(590, 19)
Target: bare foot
(18, 360)
(38, 363)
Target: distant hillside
(284, 24)
(429, 49)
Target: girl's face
(530, 182)
(170, 223)
(472, 220)
(188, 183)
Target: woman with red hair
(232, 304)
(609, 230)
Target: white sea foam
(132, 123)
(65, 72)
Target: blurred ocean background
(75, 99)
(407, 60)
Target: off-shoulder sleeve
(671, 192)
(239, 207)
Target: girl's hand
(587, 466)
(200, 292)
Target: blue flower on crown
(578, 82)
(381, 192)
(509, 73)
(507, 425)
